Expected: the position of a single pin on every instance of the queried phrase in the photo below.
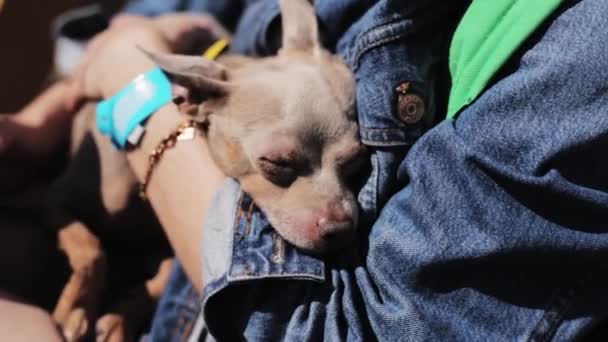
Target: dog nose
(337, 229)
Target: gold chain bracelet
(185, 131)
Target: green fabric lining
(488, 34)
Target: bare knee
(22, 322)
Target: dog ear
(300, 29)
(193, 79)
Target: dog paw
(75, 326)
(112, 328)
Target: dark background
(26, 47)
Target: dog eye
(354, 163)
(355, 170)
(280, 171)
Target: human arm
(181, 189)
(185, 179)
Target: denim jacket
(491, 227)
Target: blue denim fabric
(491, 227)
(177, 309)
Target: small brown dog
(283, 126)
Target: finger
(125, 19)
(78, 94)
(206, 22)
(93, 46)
(173, 26)
(76, 325)
(188, 33)
(109, 327)
(46, 106)
(74, 95)
(76, 91)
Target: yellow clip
(215, 49)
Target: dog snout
(337, 225)
(339, 212)
(330, 230)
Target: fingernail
(101, 336)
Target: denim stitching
(372, 46)
(237, 217)
(374, 38)
(376, 181)
(175, 331)
(248, 219)
(278, 249)
(187, 325)
(292, 276)
(389, 136)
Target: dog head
(284, 127)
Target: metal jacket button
(410, 107)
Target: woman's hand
(113, 57)
(112, 60)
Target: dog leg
(77, 306)
(128, 316)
